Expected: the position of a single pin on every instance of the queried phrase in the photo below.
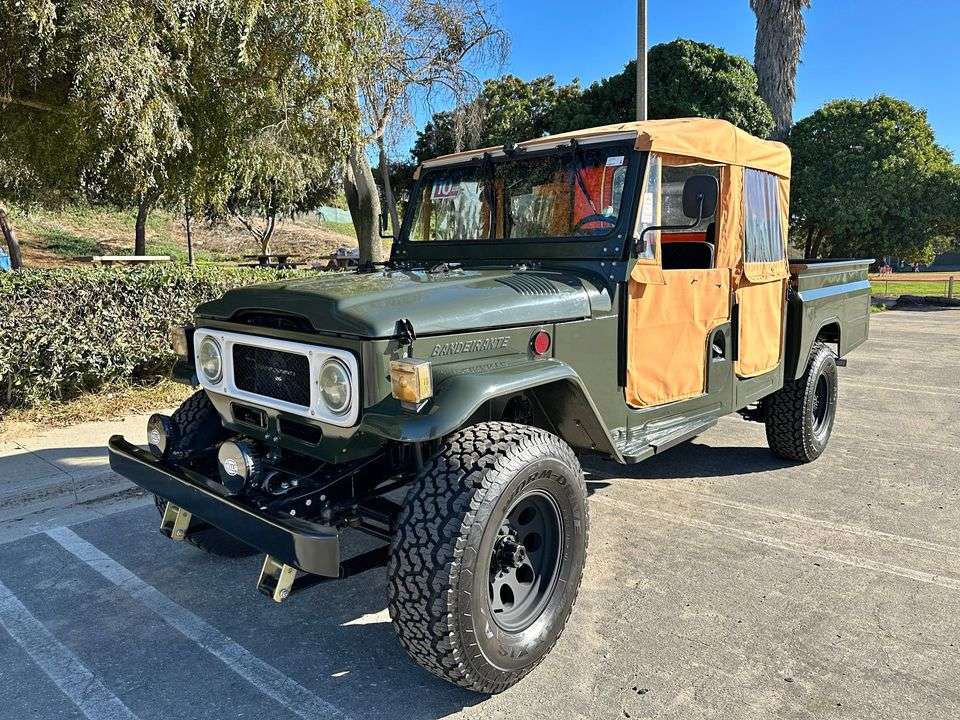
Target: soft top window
(564, 193)
(761, 206)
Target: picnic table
(272, 260)
(122, 259)
(342, 259)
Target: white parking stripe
(62, 666)
(263, 676)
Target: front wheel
(488, 554)
(799, 416)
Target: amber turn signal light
(411, 381)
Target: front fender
(463, 388)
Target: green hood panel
(370, 304)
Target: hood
(370, 304)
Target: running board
(638, 448)
(681, 436)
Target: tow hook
(175, 522)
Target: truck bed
(829, 300)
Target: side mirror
(700, 195)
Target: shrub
(66, 331)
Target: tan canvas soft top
(702, 138)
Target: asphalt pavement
(721, 582)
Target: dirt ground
(52, 239)
(721, 583)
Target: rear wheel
(197, 427)
(799, 417)
(488, 555)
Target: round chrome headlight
(210, 359)
(335, 386)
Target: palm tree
(780, 34)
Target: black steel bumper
(311, 547)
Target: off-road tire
(793, 430)
(440, 557)
(197, 426)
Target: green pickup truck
(610, 292)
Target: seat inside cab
(694, 248)
(694, 251)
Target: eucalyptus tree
(429, 51)
(781, 30)
(134, 104)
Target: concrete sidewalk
(61, 467)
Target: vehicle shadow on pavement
(923, 308)
(692, 460)
(335, 638)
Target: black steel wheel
(488, 554)
(799, 416)
(198, 427)
(524, 561)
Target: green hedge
(66, 331)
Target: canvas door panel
(667, 332)
(760, 331)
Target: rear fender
(553, 385)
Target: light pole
(641, 59)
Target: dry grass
(109, 404)
(51, 239)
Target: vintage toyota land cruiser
(608, 292)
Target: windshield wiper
(577, 167)
(486, 166)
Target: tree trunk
(10, 236)
(388, 190)
(818, 243)
(187, 211)
(780, 35)
(808, 243)
(140, 243)
(364, 202)
(271, 222)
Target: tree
(869, 180)
(134, 105)
(508, 109)
(686, 79)
(429, 50)
(780, 34)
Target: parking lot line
(263, 676)
(943, 581)
(63, 667)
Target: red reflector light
(541, 342)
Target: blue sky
(854, 48)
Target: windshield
(566, 193)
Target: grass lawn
(895, 288)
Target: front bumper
(308, 546)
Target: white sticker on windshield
(615, 161)
(443, 189)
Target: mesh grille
(274, 374)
